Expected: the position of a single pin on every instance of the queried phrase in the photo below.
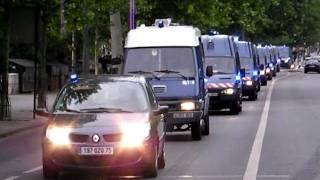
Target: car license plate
(85, 151)
(214, 94)
(182, 115)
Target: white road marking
(32, 170)
(12, 178)
(222, 176)
(254, 159)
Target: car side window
(153, 100)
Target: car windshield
(222, 65)
(103, 97)
(177, 59)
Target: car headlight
(249, 83)
(262, 72)
(58, 135)
(292, 66)
(188, 106)
(228, 91)
(286, 60)
(134, 134)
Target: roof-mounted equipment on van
(213, 32)
(163, 22)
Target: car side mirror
(161, 110)
(43, 113)
(209, 71)
(242, 72)
(261, 67)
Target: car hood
(174, 87)
(98, 122)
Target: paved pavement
(275, 138)
(22, 114)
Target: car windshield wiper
(144, 72)
(104, 109)
(166, 71)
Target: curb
(18, 130)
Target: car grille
(79, 138)
(112, 137)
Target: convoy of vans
(193, 74)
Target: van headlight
(228, 91)
(188, 106)
(58, 135)
(134, 134)
(249, 83)
(262, 72)
(268, 70)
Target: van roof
(168, 36)
(218, 45)
(244, 49)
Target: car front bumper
(68, 159)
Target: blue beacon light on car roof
(74, 78)
(255, 73)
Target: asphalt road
(275, 138)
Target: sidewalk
(22, 114)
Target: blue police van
(251, 81)
(222, 64)
(171, 57)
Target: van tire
(206, 128)
(162, 160)
(151, 169)
(253, 96)
(196, 131)
(235, 109)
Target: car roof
(111, 78)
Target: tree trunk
(4, 58)
(116, 39)
(43, 86)
(96, 64)
(85, 46)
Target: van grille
(159, 89)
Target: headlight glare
(58, 135)
(268, 70)
(134, 134)
(188, 106)
(262, 72)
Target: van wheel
(206, 128)
(151, 170)
(49, 169)
(259, 87)
(253, 96)
(234, 109)
(196, 131)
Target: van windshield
(178, 59)
(221, 65)
(246, 63)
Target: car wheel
(162, 160)
(196, 131)
(259, 87)
(49, 170)
(151, 170)
(264, 83)
(305, 71)
(206, 128)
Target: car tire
(151, 170)
(196, 131)
(259, 87)
(206, 128)
(49, 170)
(305, 71)
(162, 160)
